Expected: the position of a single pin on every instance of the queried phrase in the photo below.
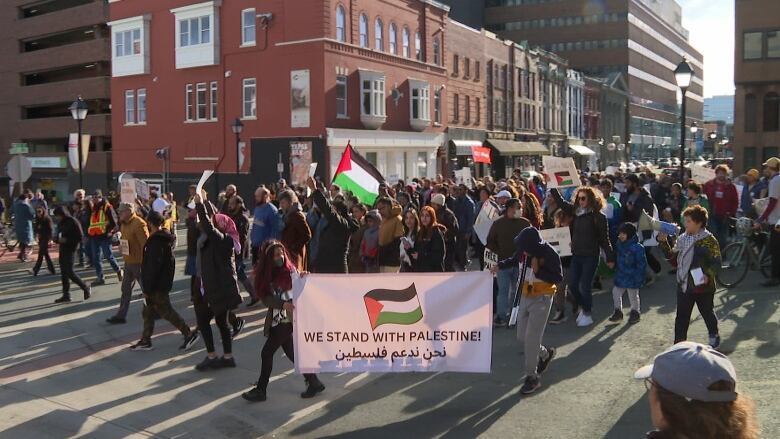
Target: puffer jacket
(631, 263)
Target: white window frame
(392, 39)
(141, 106)
(213, 100)
(341, 24)
(375, 92)
(189, 102)
(247, 85)
(437, 51)
(201, 87)
(405, 43)
(195, 36)
(130, 46)
(379, 35)
(341, 84)
(363, 31)
(419, 97)
(130, 107)
(246, 27)
(418, 53)
(129, 41)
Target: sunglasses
(582, 198)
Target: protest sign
(490, 258)
(463, 176)
(560, 171)
(142, 189)
(423, 322)
(559, 238)
(199, 187)
(484, 221)
(127, 192)
(701, 175)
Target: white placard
(463, 176)
(484, 221)
(560, 171)
(490, 258)
(559, 238)
(203, 178)
(312, 169)
(698, 276)
(124, 247)
(405, 322)
(702, 175)
(127, 192)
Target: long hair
(264, 269)
(412, 211)
(427, 231)
(595, 198)
(711, 420)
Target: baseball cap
(753, 173)
(438, 199)
(773, 162)
(505, 194)
(689, 369)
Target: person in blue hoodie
(266, 221)
(542, 272)
(629, 272)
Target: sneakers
(558, 318)
(238, 328)
(634, 317)
(313, 387)
(87, 293)
(98, 282)
(532, 383)
(189, 341)
(714, 341)
(208, 363)
(116, 320)
(542, 365)
(120, 274)
(63, 299)
(226, 362)
(584, 320)
(142, 345)
(255, 395)
(616, 316)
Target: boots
(257, 394)
(313, 387)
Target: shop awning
(582, 150)
(510, 147)
(463, 147)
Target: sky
(711, 24)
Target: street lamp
(78, 109)
(713, 137)
(237, 128)
(683, 75)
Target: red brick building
(303, 78)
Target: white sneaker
(579, 317)
(586, 320)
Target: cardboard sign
(490, 258)
(560, 238)
(124, 247)
(463, 176)
(560, 172)
(484, 221)
(702, 175)
(127, 192)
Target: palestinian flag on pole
(400, 307)
(357, 175)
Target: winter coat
(446, 218)
(217, 266)
(241, 219)
(158, 263)
(706, 255)
(550, 272)
(136, 234)
(295, 235)
(501, 234)
(631, 263)
(631, 213)
(266, 224)
(430, 253)
(589, 231)
(354, 262)
(24, 214)
(333, 243)
(390, 232)
(723, 197)
(465, 214)
(43, 227)
(70, 234)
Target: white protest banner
(701, 175)
(142, 189)
(484, 221)
(127, 192)
(463, 176)
(560, 238)
(407, 322)
(490, 258)
(560, 171)
(199, 187)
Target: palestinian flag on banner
(399, 307)
(358, 175)
(564, 178)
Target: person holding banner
(429, 251)
(542, 271)
(273, 285)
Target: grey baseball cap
(688, 369)
(125, 206)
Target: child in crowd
(369, 248)
(629, 272)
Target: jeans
(98, 245)
(132, 274)
(581, 273)
(685, 302)
(85, 250)
(531, 321)
(720, 228)
(67, 273)
(280, 337)
(507, 285)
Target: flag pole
(518, 292)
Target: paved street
(64, 372)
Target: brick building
(54, 51)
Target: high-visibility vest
(98, 222)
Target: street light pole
(81, 159)
(683, 74)
(78, 110)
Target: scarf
(583, 211)
(270, 279)
(226, 225)
(684, 249)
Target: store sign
(48, 162)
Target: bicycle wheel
(734, 265)
(766, 264)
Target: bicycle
(749, 253)
(8, 239)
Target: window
(341, 24)
(371, 157)
(128, 42)
(476, 70)
(467, 107)
(373, 95)
(455, 64)
(379, 35)
(749, 155)
(437, 51)
(363, 30)
(751, 113)
(422, 164)
(141, 94)
(189, 102)
(437, 106)
(392, 39)
(752, 45)
(466, 68)
(455, 107)
(478, 111)
(194, 31)
(248, 27)
(200, 101)
(250, 98)
(213, 101)
(341, 96)
(771, 112)
(773, 44)
(767, 153)
(421, 100)
(405, 42)
(418, 46)
(129, 107)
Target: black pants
(67, 273)
(774, 249)
(461, 253)
(280, 337)
(204, 314)
(43, 253)
(449, 256)
(685, 302)
(652, 261)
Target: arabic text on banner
(417, 322)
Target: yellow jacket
(136, 234)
